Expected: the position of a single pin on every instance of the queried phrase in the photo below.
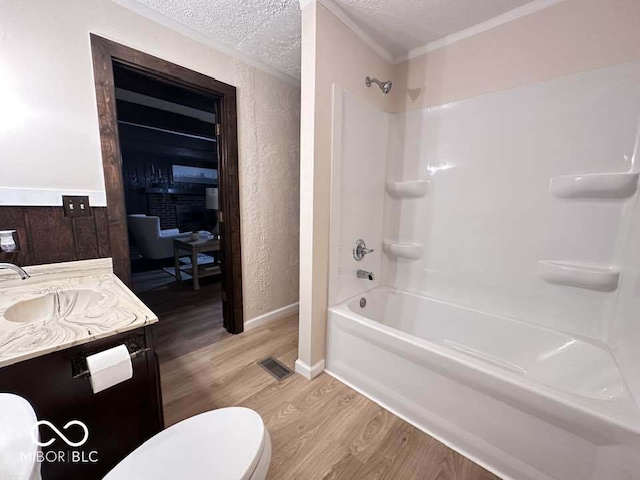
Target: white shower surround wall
(358, 195)
(488, 218)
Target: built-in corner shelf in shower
(409, 251)
(409, 189)
(595, 185)
(591, 277)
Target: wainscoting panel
(45, 235)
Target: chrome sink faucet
(367, 275)
(24, 275)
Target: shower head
(384, 86)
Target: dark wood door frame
(105, 53)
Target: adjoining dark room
(169, 147)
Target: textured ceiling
(268, 30)
(401, 25)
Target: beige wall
(49, 136)
(567, 38)
(332, 53)
(309, 331)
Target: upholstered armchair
(154, 244)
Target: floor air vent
(276, 368)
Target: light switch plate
(76, 206)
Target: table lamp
(212, 203)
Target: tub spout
(365, 274)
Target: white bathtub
(523, 401)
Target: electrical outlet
(76, 206)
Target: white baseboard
(271, 316)
(309, 372)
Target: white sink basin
(53, 305)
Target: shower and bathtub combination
(502, 235)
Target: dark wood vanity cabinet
(119, 419)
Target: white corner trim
(176, 26)
(341, 15)
(506, 17)
(41, 197)
(309, 372)
(271, 316)
(304, 3)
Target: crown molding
(494, 22)
(511, 15)
(176, 26)
(341, 15)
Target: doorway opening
(169, 146)
(169, 150)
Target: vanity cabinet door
(118, 419)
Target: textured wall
(269, 138)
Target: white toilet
(17, 449)
(224, 444)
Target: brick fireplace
(178, 211)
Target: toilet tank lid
(225, 444)
(17, 448)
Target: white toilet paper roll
(109, 368)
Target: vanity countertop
(96, 306)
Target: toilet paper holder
(79, 369)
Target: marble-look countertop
(105, 307)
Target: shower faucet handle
(360, 250)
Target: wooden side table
(194, 247)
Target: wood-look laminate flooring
(320, 429)
(189, 319)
